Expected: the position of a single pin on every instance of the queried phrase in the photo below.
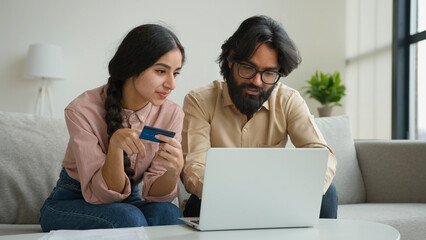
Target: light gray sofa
(383, 181)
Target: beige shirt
(88, 145)
(212, 120)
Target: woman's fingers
(170, 153)
(169, 140)
(128, 140)
(140, 147)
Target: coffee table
(326, 229)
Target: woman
(105, 158)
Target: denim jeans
(66, 208)
(328, 205)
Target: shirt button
(245, 129)
(132, 116)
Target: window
(417, 126)
(421, 15)
(409, 70)
(420, 127)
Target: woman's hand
(170, 154)
(124, 139)
(127, 139)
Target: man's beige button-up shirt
(212, 120)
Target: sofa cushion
(12, 229)
(348, 180)
(31, 151)
(408, 218)
(393, 170)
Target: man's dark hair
(255, 30)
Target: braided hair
(139, 50)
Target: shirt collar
(227, 101)
(126, 113)
(142, 113)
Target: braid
(114, 120)
(139, 50)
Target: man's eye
(269, 73)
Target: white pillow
(32, 149)
(348, 180)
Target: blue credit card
(148, 133)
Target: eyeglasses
(248, 72)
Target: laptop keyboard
(195, 221)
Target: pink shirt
(88, 145)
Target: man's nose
(257, 79)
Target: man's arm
(304, 133)
(195, 143)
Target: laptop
(254, 188)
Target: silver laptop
(251, 188)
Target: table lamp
(44, 61)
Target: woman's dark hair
(255, 30)
(139, 50)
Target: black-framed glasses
(268, 76)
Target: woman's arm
(123, 140)
(170, 156)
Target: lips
(252, 91)
(163, 94)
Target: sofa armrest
(393, 170)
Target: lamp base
(44, 92)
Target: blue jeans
(66, 208)
(328, 205)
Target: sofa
(377, 180)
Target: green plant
(326, 88)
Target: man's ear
(229, 58)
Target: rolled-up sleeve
(304, 133)
(156, 170)
(89, 157)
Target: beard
(247, 104)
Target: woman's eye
(161, 71)
(176, 74)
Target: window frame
(401, 41)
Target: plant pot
(325, 111)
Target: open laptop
(251, 188)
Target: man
(250, 108)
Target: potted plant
(326, 89)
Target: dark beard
(247, 104)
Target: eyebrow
(166, 66)
(254, 65)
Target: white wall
(369, 68)
(90, 31)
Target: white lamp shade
(44, 61)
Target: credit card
(148, 133)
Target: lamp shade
(44, 61)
